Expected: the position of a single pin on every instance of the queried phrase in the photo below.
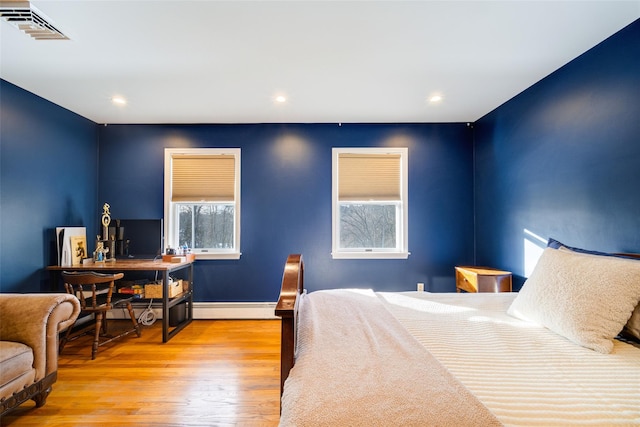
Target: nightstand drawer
(482, 279)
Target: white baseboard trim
(210, 310)
(234, 310)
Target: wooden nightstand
(482, 279)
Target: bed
(562, 351)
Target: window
(370, 203)
(202, 201)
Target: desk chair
(95, 292)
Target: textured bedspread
(525, 374)
(357, 366)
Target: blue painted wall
(48, 178)
(286, 200)
(562, 159)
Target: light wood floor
(213, 373)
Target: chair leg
(105, 328)
(133, 319)
(64, 340)
(96, 339)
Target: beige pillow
(585, 298)
(633, 325)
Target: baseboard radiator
(210, 310)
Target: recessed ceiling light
(119, 100)
(281, 98)
(435, 98)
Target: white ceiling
(335, 61)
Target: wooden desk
(143, 265)
(482, 279)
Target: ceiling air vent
(25, 17)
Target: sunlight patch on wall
(533, 247)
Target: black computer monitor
(141, 238)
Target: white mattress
(525, 374)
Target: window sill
(370, 255)
(213, 255)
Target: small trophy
(101, 253)
(106, 220)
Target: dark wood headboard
(287, 309)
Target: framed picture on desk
(78, 249)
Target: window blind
(364, 177)
(209, 178)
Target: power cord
(147, 317)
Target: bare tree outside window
(368, 226)
(206, 226)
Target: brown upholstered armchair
(29, 327)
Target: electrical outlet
(420, 287)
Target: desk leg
(165, 306)
(166, 303)
(190, 300)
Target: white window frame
(402, 216)
(170, 209)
